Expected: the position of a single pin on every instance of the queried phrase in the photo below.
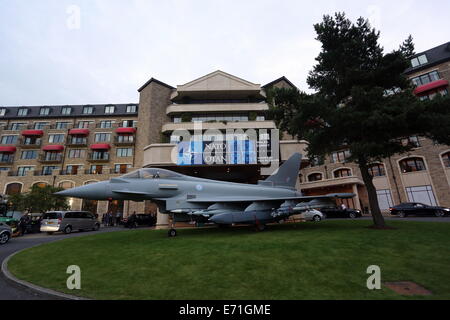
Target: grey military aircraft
(189, 198)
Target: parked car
(68, 221)
(338, 212)
(5, 233)
(312, 215)
(34, 223)
(147, 220)
(415, 208)
(12, 218)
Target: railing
(124, 140)
(77, 142)
(93, 157)
(50, 158)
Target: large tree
(39, 199)
(363, 101)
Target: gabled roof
(156, 81)
(435, 56)
(283, 78)
(218, 80)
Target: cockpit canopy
(151, 173)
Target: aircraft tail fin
(286, 176)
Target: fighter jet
(188, 198)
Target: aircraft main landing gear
(172, 232)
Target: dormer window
(2, 112)
(110, 109)
(22, 112)
(66, 110)
(88, 110)
(131, 108)
(418, 61)
(44, 111)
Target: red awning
(430, 86)
(126, 130)
(8, 149)
(33, 133)
(100, 146)
(81, 132)
(53, 148)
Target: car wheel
(67, 229)
(172, 233)
(352, 215)
(4, 237)
(317, 218)
(401, 214)
(439, 213)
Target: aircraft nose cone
(95, 191)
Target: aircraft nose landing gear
(172, 233)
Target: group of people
(110, 220)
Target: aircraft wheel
(172, 233)
(260, 227)
(317, 218)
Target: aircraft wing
(253, 199)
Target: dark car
(147, 220)
(338, 212)
(418, 209)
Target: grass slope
(326, 260)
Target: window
(422, 194)
(9, 139)
(129, 123)
(102, 137)
(412, 141)
(29, 155)
(446, 159)
(56, 138)
(31, 141)
(88, 110)
(66, 185)
(22, 111)
(6, 158)
(384, 199)
(22, 171)
(124, 152)
(73, 169)
(341, 173)
(125, 138)
(418, 61)
(13, 188)
(340, 156)
(40, 125)
(84, 124)
(106, 124)
(17, 125)
(62, 125)
(44, 111)
(2, 112)
(48, 170)
(315, 177)
(131, 108)
(110, 109)
(412, 165)
(76, 153)
(66, 110)
(96, 169)
(425, 78)
(100, 155)
(260, 118)
(377, 170)
(316, 161)
(52, 156)
(121, 168)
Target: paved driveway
(10, 291)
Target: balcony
(6, 161)
(77, 142)
(217, 107)
(124, 140)
(50, 158)
(32, 144)
(442, 83)
(95, 157)
(190, 126)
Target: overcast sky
(55, 52)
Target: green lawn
(326, 260)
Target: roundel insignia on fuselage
(199, 187)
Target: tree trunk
(378, 219)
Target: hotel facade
(70, 146)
